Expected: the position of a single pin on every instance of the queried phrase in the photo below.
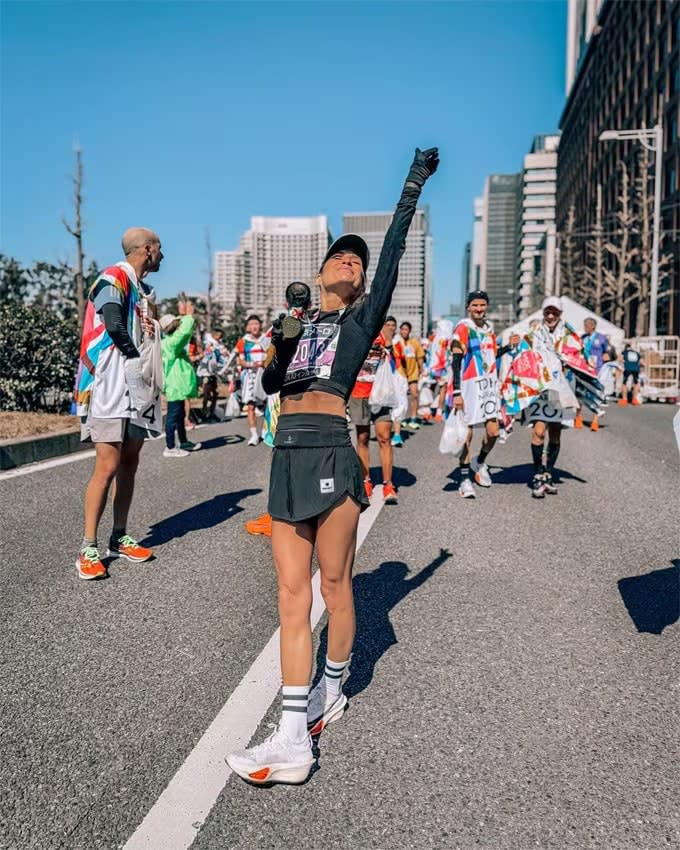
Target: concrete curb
(17, 452)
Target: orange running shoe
(389, 494)
(89, 563)
(578, 422)
(127, 547)
(368, 487)
(439, 417)
(636, 402)
(594, 425)
(622, 402)
(260, 525)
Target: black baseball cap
(476, 294)
(349, 242)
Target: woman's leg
(292, 547)
(174, 413)
(363, 440)
(383, 433)
(251, 415)
(537, 438)
(336, 540)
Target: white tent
(574, 314)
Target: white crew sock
(294, 712)
(333, 676)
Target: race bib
(315, 353)
(150, 419)
(542, 410)
(481, 399)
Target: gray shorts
(109, 430)
(362, 416)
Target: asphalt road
(515, 682)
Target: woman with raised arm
(316, 488)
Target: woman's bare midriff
(314, 401)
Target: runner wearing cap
(596, 346)
(474, 386)
(316, 492)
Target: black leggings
(174, 421)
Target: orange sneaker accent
(261, 525)
(594, 425)
(317, 729)
(622, 402)
(636, 402)
(427, 416)
(89, 567)
(368, 487)
(259, 775)
(439, 417)
(578, 422)
(389, 494)
(130, 549)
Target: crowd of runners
(319, 377)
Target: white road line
(183, 807)
(45, 464)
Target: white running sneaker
(254, 440)
(466, 490)
(323, 709)
(481, 471)
(276, 759)
(190, 447)
(174, 452)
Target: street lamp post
(644, 136)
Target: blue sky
(205, 113)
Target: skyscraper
(272, 254)
(478, 250)
(502, 194)
(412, 297)
(537, 218)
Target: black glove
(423, 166)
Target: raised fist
(429, 159)
(423, 166)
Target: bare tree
(208, 311)
(622, 285)
(569, 266)
(594, 270)
(77, 232)
(644, 203)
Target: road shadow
(401, 477)
(204, 515)
(653, 599)
(375, 595)
(520, 474)
(226, 440)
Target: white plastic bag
(384, 392)
(454, 434)
(233, 408)
(401, 410)
(426, 397)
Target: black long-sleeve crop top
(334, 344)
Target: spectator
(180, 378)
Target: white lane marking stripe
(175, 818)
(45, 464)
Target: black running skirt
(314, 466)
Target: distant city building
(466, 270)
(628, 78)
(272, 254)
(478, 249)
(581, 26)
(536, 217)
(502, 194)
(412, 297)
